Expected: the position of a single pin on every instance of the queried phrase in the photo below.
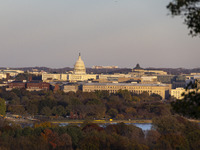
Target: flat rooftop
(125, 84)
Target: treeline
(168, 133)
(82, 105)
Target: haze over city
(106, 32)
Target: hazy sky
(51, 33)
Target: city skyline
(122, 33)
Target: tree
(194, 139)
(32, 109)
(57, 142)
(75, 133)
(152, 137)
(190, 9)
(46, 111)
(18, 109)
(125, 94)
(167, 125)
(2, 107)
(90, 142)
(172, 142)
(136, 99)
(131, 110)
(59, 110)
(112, 112)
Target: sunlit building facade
(161, 89)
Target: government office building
(161, 89)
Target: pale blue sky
(51, 33)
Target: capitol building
(79, 74)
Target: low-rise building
(17, 85)
(37, 86)
(178, 84)
(71, 88)
(9, 73)
(177, 93)
(80, 77)
(149, 80)
(30, 86)
(48, 77)
(3, 75)
(104, 67)
(113, 76)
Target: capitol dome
(79, 67)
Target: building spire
(79, 54)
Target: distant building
(48, 77)
(37, 86)
(117, 77)
(195, 73)
(13, 71)
(71, 88)
(177, 93)
(30, 86)
(178, 84)
(5, 74)
(104, 67)
(192, 80)
(17, 85)
(149, 80)
(139, 71)
(155, 72)
(36, 72)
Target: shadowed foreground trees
(176, 133)
(168, 133)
